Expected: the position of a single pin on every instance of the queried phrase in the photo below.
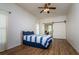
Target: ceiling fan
(46, 8)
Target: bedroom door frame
(48, 25)
(54, 23)
(58, 22)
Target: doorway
(59, 30)
(49, 28)
(56, 29)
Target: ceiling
(61, 9)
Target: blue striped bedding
(43, 40)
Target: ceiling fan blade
(41, 7)
(48, 12)
(49, 3)
(52, 7)
(41, 11)
(46, 5)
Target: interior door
(59, 30)
(3, 20)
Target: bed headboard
(28, 33)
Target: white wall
(59, 29)
(18, 21)
(73, 26)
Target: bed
(39, 41)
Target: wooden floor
(58, 47)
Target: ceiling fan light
(46, 10)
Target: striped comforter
(43, 40)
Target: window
(3, 20)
